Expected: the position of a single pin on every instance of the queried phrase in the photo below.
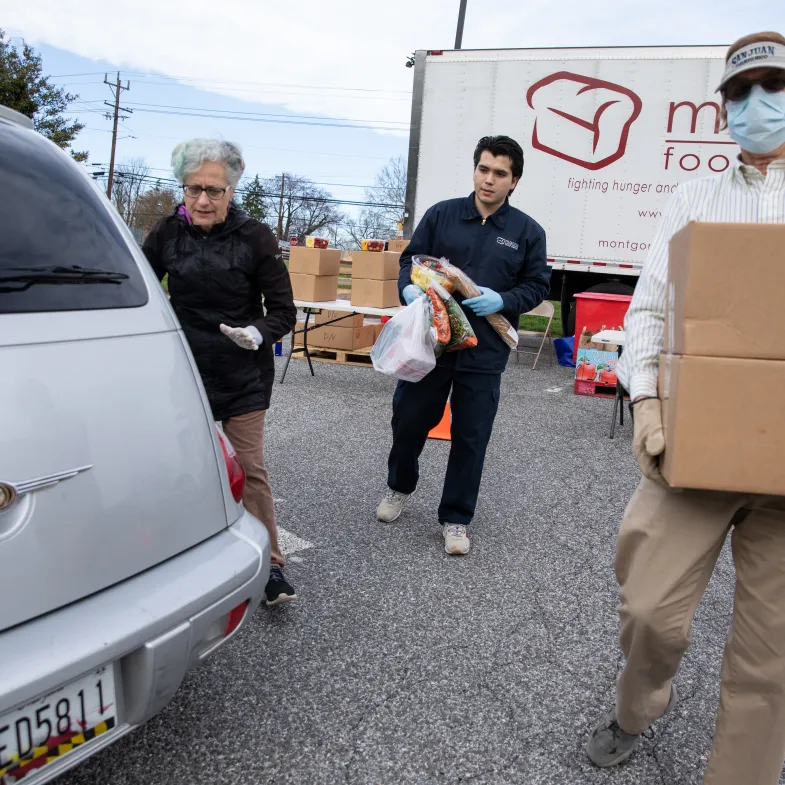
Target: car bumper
(154, 627)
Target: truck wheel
(601, 288)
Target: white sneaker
(456, 539)
(391, 506)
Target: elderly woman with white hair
(231, 292)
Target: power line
(209, 80)
(160, 181)
(266, 120)
(269, 114)
(286, 149)
(270, 176)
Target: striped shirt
(741, 194)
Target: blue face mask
(757, 122)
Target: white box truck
(607, 134)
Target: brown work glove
(648, 441)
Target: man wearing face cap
(670, 540)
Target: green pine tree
(24, 88)
(253, 199)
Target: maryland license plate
(43, 731)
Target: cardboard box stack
(397, 246)
(375, 279)
(314, 273)
(722, 372)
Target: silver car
(125, 555)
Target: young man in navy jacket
(503, 251)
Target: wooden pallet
(360, 358)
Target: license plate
(35, 735)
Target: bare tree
(129, 183)
(389, 189)
(307, 209)
(370, 224)
(153, 204)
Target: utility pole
(117, 88)
(459, 30)
(280, 208)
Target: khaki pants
(668, 546)
(246, 433)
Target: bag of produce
(462, 335)
(439, 317)
(405, 347)
(427, 270)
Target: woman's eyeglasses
(739, 88)
(195, 191)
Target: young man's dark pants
(417, 408)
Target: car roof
(12, 116)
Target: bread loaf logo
(583, 120)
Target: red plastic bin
(593, 310)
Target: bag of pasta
(468, 288)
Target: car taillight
(235, 619)
(233, 466)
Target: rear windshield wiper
(19, 279)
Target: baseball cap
(763, 54)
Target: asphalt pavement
(399, 664)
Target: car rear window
(54, 223)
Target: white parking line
(291, 543)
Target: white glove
(245, 337)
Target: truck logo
(583, 120)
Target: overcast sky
(308, 58)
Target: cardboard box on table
(314, 261)
(378, 266)
(397, 246)
(722, 375)
(314, 288)
(375, 294)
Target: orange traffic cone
(442, 430)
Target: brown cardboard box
(314, 261)
(347, 338)
(397, 246)
(314, 288)
(347, 320)
(377, 266)
(375, 294)
(725, 285)
(724, 423)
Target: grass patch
(539, 323)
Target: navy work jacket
(505, 252)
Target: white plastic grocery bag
(404, 348)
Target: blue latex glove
(412, 293)
(487, 303)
